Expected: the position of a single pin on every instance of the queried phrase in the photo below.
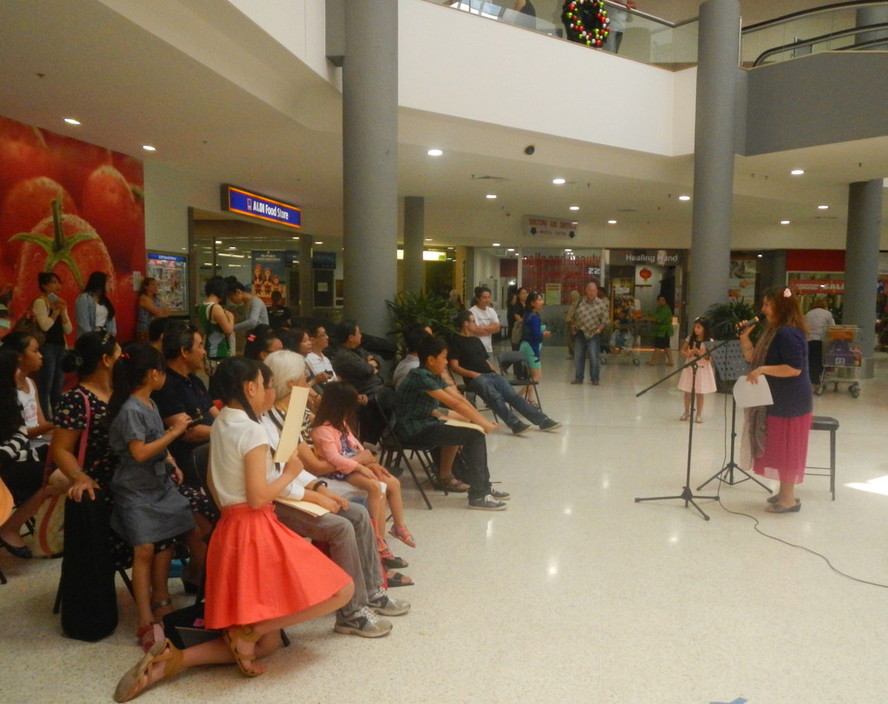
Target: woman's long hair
(227, 384)
(786, 308)
(146, 282)
(137, 359)
(11, 418)
(339, 405)
(96, 285)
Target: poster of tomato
(71, 208)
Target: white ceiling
(129, 87)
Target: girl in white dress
(696, 346)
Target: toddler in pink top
(335, 443)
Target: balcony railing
(845, 26)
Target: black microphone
(740, 327)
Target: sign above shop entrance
(544, 227)
(237, 200)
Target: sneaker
(576, 381)
(363, 623)
(550, 424)
(500, 495)
(386, 605)
(487, 503)
(520, 428)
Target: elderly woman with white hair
(346, 529)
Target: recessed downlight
(797, 172)
(823, 206)
(784, 222)
(491, 196)
(149, 148)
(496, 244)
(611, 222)
(72, 121)
(218, 241)
(559, 181)
(434, 152)
(684, 197)
(574, 207)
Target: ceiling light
(218, 241)
(428, 239)
(797, 172)
(496, 244)
(559, 181)
(510, 249)
(296, 237)
(684, 197)
(822, 207)
(574, 207)
(784, 222)
(319, 242)
(491, 196)
(611, 222)
(72, 121)
(568, 249)
(759, 255)
(434, 152)
(149, 148)
(232, 247)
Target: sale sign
(70, 208)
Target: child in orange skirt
(261, 577)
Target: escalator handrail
(812, 11)
(838, 34)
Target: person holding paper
(777, 435)
(424, 404)
(345, 527)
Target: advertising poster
(269, 274)
(71, 208)
(170, 272)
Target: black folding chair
(394, 451)
(520, 373)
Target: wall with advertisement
(71, 208)
(270, 273)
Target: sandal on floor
(402, 534)
(396, 579)
(684, 416)
(394, 563)
(149, 635)
(699, 419)
(138, 679)
(245, 661)
(774, 499)
(453, 485)
(779, 508)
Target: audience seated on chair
(423, 402)
(468, 358)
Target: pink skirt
(786, 449)
(258, 569)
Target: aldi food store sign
(237, 200)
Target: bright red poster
(97, 224)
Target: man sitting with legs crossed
(468, 358)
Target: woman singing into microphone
(776, 436)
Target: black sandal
(396, 579)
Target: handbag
(28, 325)
(50, 531)
(517, 332)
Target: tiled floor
(576, 593)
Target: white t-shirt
(101, 315)
(319, 363)
(28, 399)
(296, 488)
(483, 318)
(818, 320)
(232, 436)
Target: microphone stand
(686, 495)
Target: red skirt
(786, 449)
(258, 569)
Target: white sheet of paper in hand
(292, 431)
(747, 395)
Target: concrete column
(414, 236)
(306, 277)
(718, 76)
(370, 160)
(862, 265)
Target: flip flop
(394, 563)
(396, 579)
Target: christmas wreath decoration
(586, 21)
